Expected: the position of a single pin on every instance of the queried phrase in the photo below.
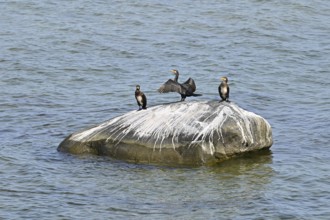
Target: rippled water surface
(66, 65)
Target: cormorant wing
(144, 101)
(171, 86)
(190, 84)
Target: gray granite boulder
(191, 133)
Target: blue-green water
(66, 65)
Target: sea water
(68, 65)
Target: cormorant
(140, 97)
(185, 89)
(224, 89)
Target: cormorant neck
(176, 77)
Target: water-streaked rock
(202, 132)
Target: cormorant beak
(175, 72)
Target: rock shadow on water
(180, 133)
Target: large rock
(177, 133)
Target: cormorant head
(175, 72)
(137, 87)
(225, 79)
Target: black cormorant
(140, 97)
(185, 89)
(224, 89)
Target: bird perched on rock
(140, 97)
(185, 89)
(224, 89)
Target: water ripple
(72, 64)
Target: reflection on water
(245, 163)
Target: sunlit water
(66, 65)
